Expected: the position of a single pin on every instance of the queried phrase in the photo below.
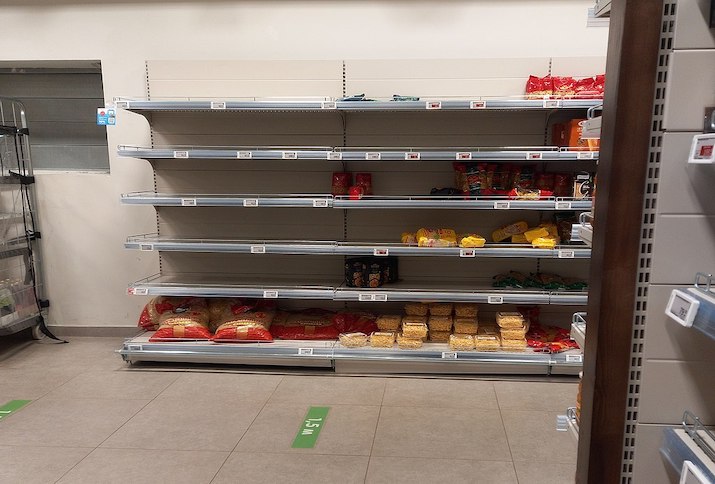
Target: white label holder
(378, 252)
(188, 202)
(702, 149)
(290, 155)
(181, 154)
(218, 105)
(146, 247)
(270, 294)
(477, 105)
(495, 299)
(250, 202)
(449, 355)
(561, 205)
(467, 253)
(682, 307)
(566, 254)
(305, 351)
(258, 249)
(413, 156)
(244, 155)
(502, 205)
(373, 156)
(334, 156)
(463, 156)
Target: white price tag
(464, 156)
(245, 155)
(138, 291)
(449, 355)
(682, 307)
(146, 247)
(270, 294)
(495, 299)
(477, 105)
(328, 105)
(373, 156)
(379, 297)
(552, 103)
(566, 254)
(412, 156)
(534, 155)
(320, 203)
(305, 351)
(365, 297)
(381, 252)
(334, 155)
(290, 155)
(188, 202)
(250, 202)
(584, 155)
(563, 205)
(467, 253)
(181, 154)
(134, 347)
(504, 205)
(258, 249)
(218, 105)
(121, 104)
(574, 358)
(433, 105)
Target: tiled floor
(93, 419)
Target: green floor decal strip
(12, 406)
(310, 428)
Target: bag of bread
(189, 322)
(150, 315)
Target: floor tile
(117, 384)
(395, 470)
(544, 472)
(533, 437)
(19, 384)
(296, 469)
(348, 430)
(79, 353)
(67, 423)
(329, 390)
(451, 433)
(186, 424)
(420, 392)
(230, 386)
(37, 465)
(546, 396)
(133, 466)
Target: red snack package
(183, 323)
(586, 88)
(539, 87)
(562, 185)
(355, 322)
(599, 84)
(364, 180)
(150, 315)
(341, 182)
(564, 86)
(310, 324)
(245, 326)
(164, 333)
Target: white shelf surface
(373, 154)
(152, 242)
(294, 288)
(345, 202)
(578, 329)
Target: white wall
(86, 268)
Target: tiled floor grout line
(374, 435)
(506, 434)
(247, 429)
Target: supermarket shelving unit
(690, 451)
(277, 154)
(21, 300)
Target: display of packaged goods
(565, 87)
(414, 330)
(441, 309)
(513, 333)
(355, 272)
(507, 231)
(513, 344)
(355, 192)
(461, 342)
(409, 238)
(341, 182)
(460, 177)
(436, 238)
(551, 338)
(466, 310)
(472, 241)
(483, 342)
(364, 180)
(545, 242)
(535, 233)
(405, 343)
(416, 309)
(382, 339)
(353, 340)
(355, 322)
(370, 271)
(539, 87)
(439, 336)
(243, 320)
(389, 322)
(440, 323)
(309, 324)
(507, 319)
(149, 317)
(466, 325)
(562, 185)
(582, 185)
(184, 323)
(540, 280)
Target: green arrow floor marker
(310, 428)
(12, 406)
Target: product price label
(146, 247)
(320, 203)
(566, 254)
(250, 202)
(534, 155)
(138, 291)
(245, 155)
(503, 205)
(495, 299)
(552, 103)
(433, 105)
(449, 355)
(290, 155)
(258, 249)
(563, 205)
(467, 253)
(134, 347)
(328, 105)
(218, 105)
(373, 156)
(379, 297)
(334, 155)
(463, 156)
(372, 297)
(381, 252)
(270, 294)
(188, 202)
(181, 154)
(584, 155)
(305, 351)
(412, 156)
(121, 104)
(477, 105)
(574, 358)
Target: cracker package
(382, 339)
(440, 323)
(353, 340)
(510, 319)
(389, 322)
(406, 343)
(466, 325)
(461, 342)
(466, 310)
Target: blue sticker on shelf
(106, 117)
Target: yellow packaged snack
(382, 339)
(353, 340)
(461, 342)
(514, 333)
(508, 230)
(485, 342)
(414, 330)
(414, 319)
(408, 343)
(408, 238)
(513, 344)
(510, 319)
(519, 239)
(551, 228)
(535, 233)
(544, 242)
(436, 238)
(472, 241)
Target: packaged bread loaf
(507, 231)
(466, 310)
(416, 309)
(353, 340)
(466, 325)
(382, 339)
(461, 342)
(440, 323)
(441, 309)
(439, 336)
(389, 322)
(406, 343)
(414, 330)
(510, 319)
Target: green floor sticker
(12, 406)
(310, 428)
